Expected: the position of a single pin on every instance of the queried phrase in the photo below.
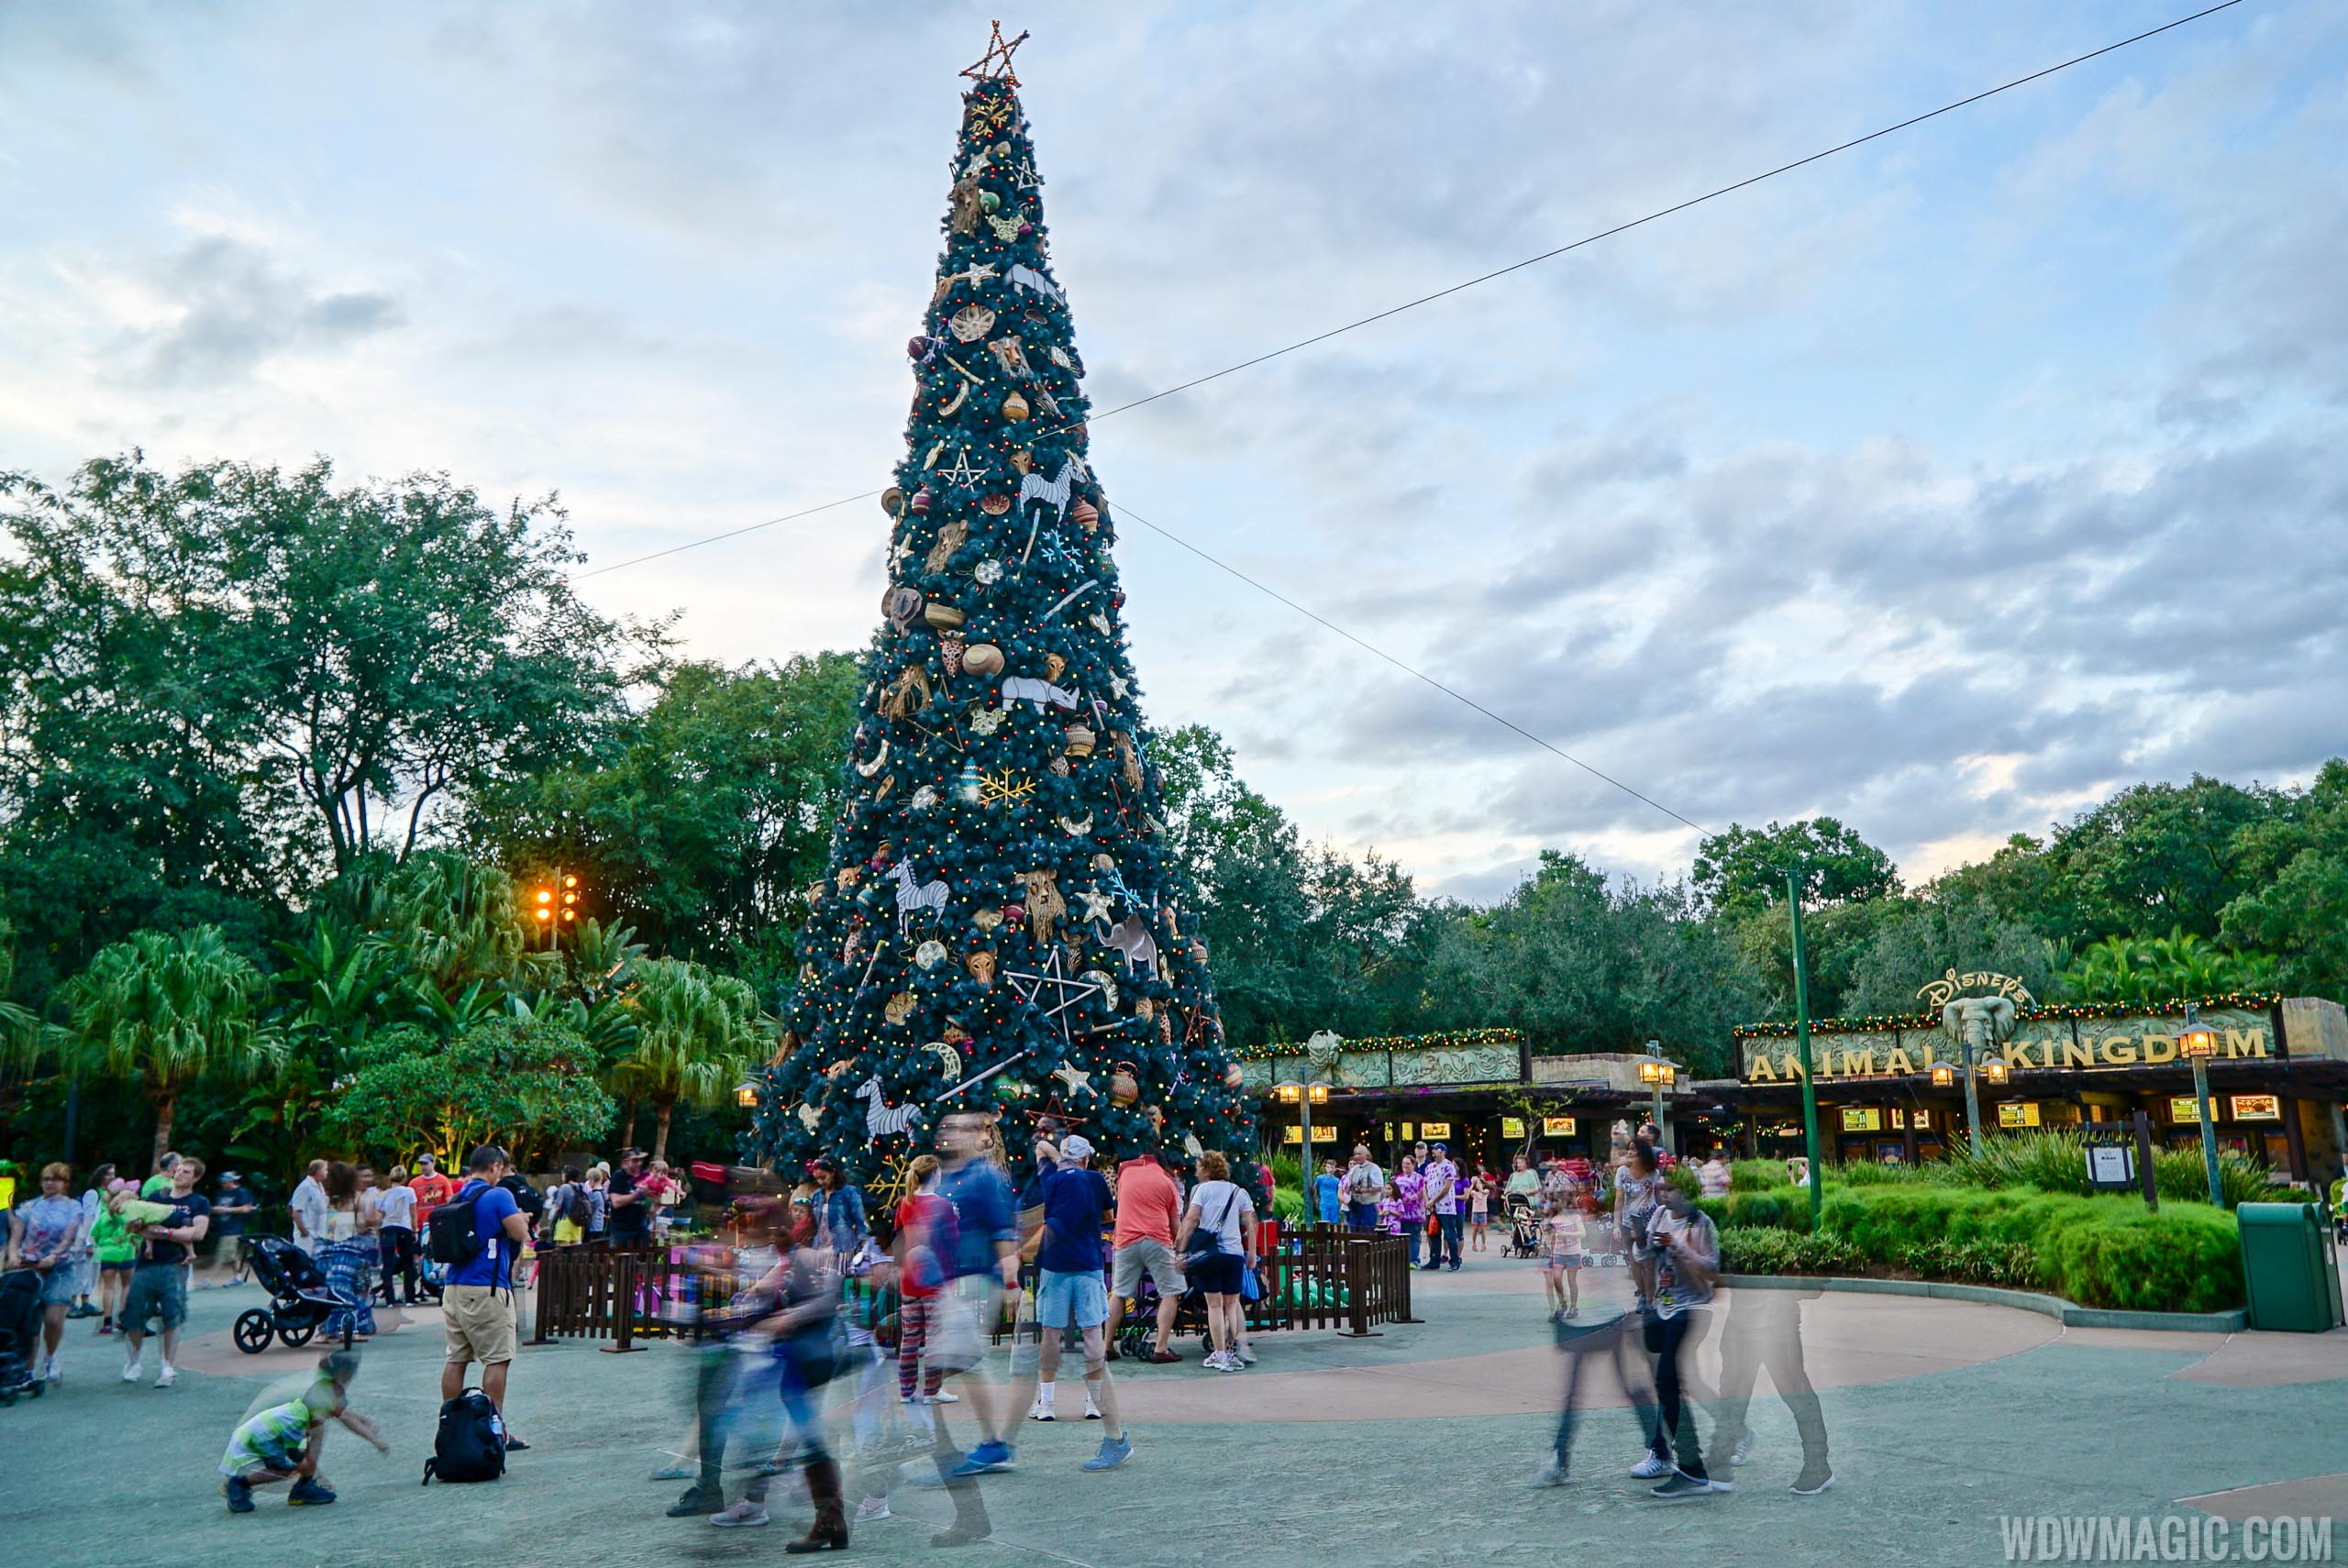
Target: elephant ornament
(1983, 1022)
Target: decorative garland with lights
(2257, 1002)
(1444, 1040)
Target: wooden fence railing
(622, 1295)
(1312, 1278)
(1322, 1277)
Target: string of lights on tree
(1442, 1040)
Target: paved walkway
(1413, 1447)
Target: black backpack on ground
(453, 1238)
(470, 1444)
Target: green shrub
(1788, 1208)
(2051, 1160)
(1683, 1176)
(2181, 1177)
(1756, 1176)
(1870, 1175)
(1757, 1250)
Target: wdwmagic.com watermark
(2163, 1538)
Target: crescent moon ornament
(873, 768)
(949, 1056)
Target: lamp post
(558, 904)
(1994, 1069)
(2197, 1043)
(1658, 1074)
(1802, 1047)
(1304, 1097)
(746, 1094)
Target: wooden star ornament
(995, 64)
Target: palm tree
(23, 1039)
(2151, 970)
(696, 1032)
(164, 1008)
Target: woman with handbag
(804, 1331)
(1220, 1226)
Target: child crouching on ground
(282, 1441)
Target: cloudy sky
(1943, 486)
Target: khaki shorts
(478, 1322)
(1143, 1253)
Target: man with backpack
(476, 1237)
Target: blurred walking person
(1761, 1330)
(1685, 1269)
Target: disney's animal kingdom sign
(2132, 1040)
(1937, 994)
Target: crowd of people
(864, 1326)
(837, 1335)
(125, 1252)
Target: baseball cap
(1075, 1147)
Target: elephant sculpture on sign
(1983, 1022)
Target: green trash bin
(2288, 1263)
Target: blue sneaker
(240, 1493)
(985, 1459)
(1114, 1452)
(307, 1492)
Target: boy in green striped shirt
(282, 1442)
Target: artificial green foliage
(1002, 813)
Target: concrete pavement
(1415, 1447)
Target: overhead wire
(1302, 343)
(1125, 513)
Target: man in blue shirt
(477, 1301)
(1070, 1293)
(1325, 1190)
(986, 1261)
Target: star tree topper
(995, 64)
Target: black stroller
(19, 1334)
(299, 1298)
(1523, 1228)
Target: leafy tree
(1582, 963)
(164, 1009)
(220, 682)
(1837, 939)
(1919, 939)
(2298, 910)
(697, 1035)
(705, 821)
(2302, 917)
(1744, 870)
(527, 1083)
(2024, 882)
(2157, 856)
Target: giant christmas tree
(1003, 929)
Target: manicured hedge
(2099, 1252)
